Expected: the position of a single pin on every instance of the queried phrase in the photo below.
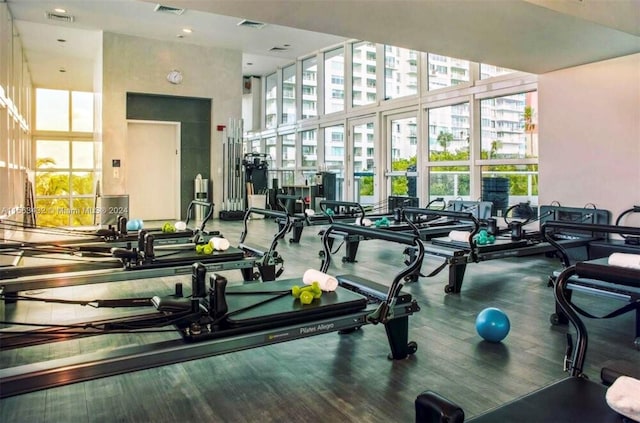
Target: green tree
(54, 191)
(529, 127)
(444, 139)
(400, 184)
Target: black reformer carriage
(221, 318)
(514, 240)
(574, 399)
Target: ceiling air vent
(60, 17)
(278, 49)
(168, 9)
(251, 24)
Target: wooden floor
(331, 377)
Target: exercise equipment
(223, 318)
(112, 236)
(492, 324)
(325, 282)
(233, 178)
(576, 398)
(424, 222)
(332, 210)
(307, 293)
(145, 259)
(625, 288)
(168, 228)
(456, 253)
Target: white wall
(133, 64)
(589, 125)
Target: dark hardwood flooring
(330, 377)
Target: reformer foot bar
(574, 399)
(344, 212)
(222, 319)
(623, 285)
(458, 254)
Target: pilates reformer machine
(575, 398)
(103, 239)
(145, 260)
(427, 223)
(333, 211)
(515, 240)
(621, 258)
(218, 318)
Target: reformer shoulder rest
(573, 399)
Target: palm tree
(444, 138)
(529, 127)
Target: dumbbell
(308, 293)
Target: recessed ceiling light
(61, 40)
(287, 45)
(60, 10)
(62, 70)
(180, 35)
(187, 30)
(249, 63)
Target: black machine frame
(521, 243)
(141, 262)
(200, 322)
(573, 399)
(624, 289)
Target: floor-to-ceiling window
(271, 101)
(403, 155)
(289, 95)
(309, 88)
(400, 72)
(449, 159)
(334, 81)
(363, 74)
(334, 156)
(445, 123)
(65, 184)
(509, 144)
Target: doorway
(153, 170)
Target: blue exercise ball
(493, 324)
(132, 225)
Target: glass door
(402, 143)
(362, 181)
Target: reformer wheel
(291, 240)
(554, 319)
(411, 278)
(636, 343)
(256, 276)
(448, 289)
(321, 253)
(412, 347)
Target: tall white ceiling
(530, 35)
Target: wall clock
(175, 77)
